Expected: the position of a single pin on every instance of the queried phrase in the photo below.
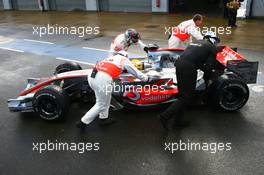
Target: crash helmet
(122, 53)
(138, 64)
(211, 36)
(132, 36)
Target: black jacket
(202, 54)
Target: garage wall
(257, 8)
(1, 5)
(68, 5)
(26, 4)
(130, 5)
(103, 5)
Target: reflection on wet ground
(247, 35)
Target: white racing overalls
(182, 35)
(108, 70)
(120, 43)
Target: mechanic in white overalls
(182, 35)
(125, 40)
(101, 80)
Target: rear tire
(228, 93)
(51, 103)
(66, 67)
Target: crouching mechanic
(182, 35)
(125, 40)
(101, 80)
(198, 55)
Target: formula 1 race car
(225, 89)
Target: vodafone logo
(156, 97)
(135, 96)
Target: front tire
(51, 103)
(229, 93)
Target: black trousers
(186, 79)
(232, 14)
(175, 110)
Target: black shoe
(107, 121)
(164, 122)
(181, 124)
(81, 125)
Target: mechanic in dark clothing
(232, 6)
(198, 55)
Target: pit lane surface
(133, 145)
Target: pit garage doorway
(195, 6)
(125, 5)
(25, 4)
(1, 5)
(103, 5)
(257, 7)
(67, 5)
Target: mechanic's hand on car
(146, 49)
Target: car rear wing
(226, 54)
(235, 62)
(247, 70)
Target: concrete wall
(89, 5)
(27, 5)
(255, 8)
(130, 5)
(1, 5)
(68, 5)
(258, 8)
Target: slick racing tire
(51, 103)
(228, 93)
(66, 67)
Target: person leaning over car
(125, 40)
(183, 33)
(198, 55)
(101, 80)
(232, 6)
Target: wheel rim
(48, 108)
(233, 97)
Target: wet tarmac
(135, 143)
(248, 34)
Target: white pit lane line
(134, 56)
(37, 41)
(258, 88)
(90, 48)
(72, 60)
(15, 50)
